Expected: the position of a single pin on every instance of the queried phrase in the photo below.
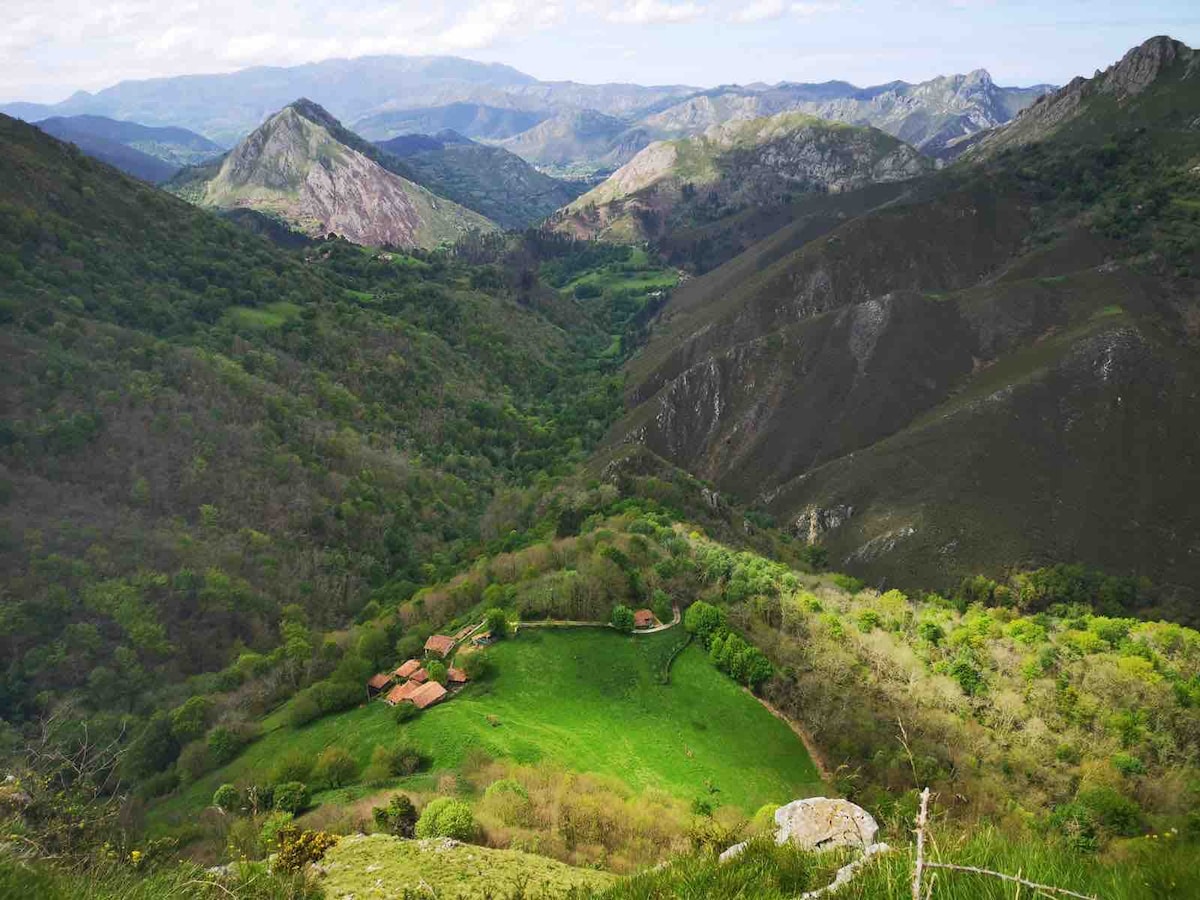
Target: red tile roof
(643, 618)
(406, 670)
(401, 692)
(458, 676)
(379, 682)
(427, 695)
(420, 676)
(439, 644)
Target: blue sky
(51, 47)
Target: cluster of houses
(410, 682)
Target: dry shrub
(579, 819)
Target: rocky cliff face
(293, 168)
(733, 166)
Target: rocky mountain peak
(1138, 68)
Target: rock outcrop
(821, 823)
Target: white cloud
(814, 9)
(759, 11)
(654, 12)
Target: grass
(588, 700)
(264, 318)
(383, 866)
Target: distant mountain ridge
(151, 154)
(303, 167)
(730, 167)
(490, 180)
(562, 126)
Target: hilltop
(298, 166)
(759, 163)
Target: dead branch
(1045, 888)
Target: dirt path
(805, 738)
(571, 623)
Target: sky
(50, 48)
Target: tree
(446, 817)
(373, 646)
(437, 671)
(399, 817)
(497, 622)
(189, 721)
(622, 618)
(223, 744)
(704, 620)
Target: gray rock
(819, 823)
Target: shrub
(291, 797)
(1128, 764)
(335, 768)
(847, 583)
(295, 765)
(399, 817)
(404, 712)
(194, 760)
(477, 665)
(446, 817)
(223, 744)
(304, 709)
(299, 848)
(189, 720)
(393, 762)
(868, 620)
(276, 822)
(226, 798)
(931, 632)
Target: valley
(463, 484)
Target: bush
(189, 720)
(194, 761)
(478, 666)
(299, 848)
(304, 709)
(393, 762)
(268, 835)
(847, 583)
(399, 817)
(1128, 764)
(404, 712)
(335, 768)
(223, 744)
(291, 797)
(226, 798)
(295, 765)
(446, 817)
(868, 620)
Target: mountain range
(966, 377)
(566, 127)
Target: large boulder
(819, 823)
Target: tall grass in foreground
(1146, 869)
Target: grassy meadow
(588, 700)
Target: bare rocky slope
(298, 167)
(969, 377)
(733, 167)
